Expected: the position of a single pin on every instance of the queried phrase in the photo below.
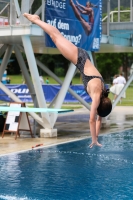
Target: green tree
(56, 63)
(108, 65)
(36, 5)
(124, 16)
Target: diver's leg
(67, 49)
(86, 27)
(75, 9)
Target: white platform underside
(12, 35)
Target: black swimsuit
(82, 57)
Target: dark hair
(105, 105)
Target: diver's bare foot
(31, 18)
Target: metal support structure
(94, 59)
(16, 99)
(131, 11)
(39, 11)
(25, 72)
(52, 103)
(35, 78)
(3, 49)
(31, 2)
(118, 10)
(17, 7)
(91, 57)
(43, 8)
(108, 19)
(25, 7)
(5, 60)
(13, 14)
(63, 91)
(43, 67)
(54, 100)
(4, 8)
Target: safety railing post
(131, 10)
(118, 10)
(108, 19)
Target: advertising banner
(78, 21)
(50, 92)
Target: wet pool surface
(71, 171)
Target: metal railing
(14, 11)
(112, 15)
(119, 11)
(5, 7)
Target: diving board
(27, 109)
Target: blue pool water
(71, 171)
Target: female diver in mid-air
(86, 10)
(92, 79)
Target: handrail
(3, 2)
(111, 14)
(15, 14)
(3, 17)
(4, 8)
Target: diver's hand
(95, 144)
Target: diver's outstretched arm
(80, 10)
(81, 6)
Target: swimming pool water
(71, 171)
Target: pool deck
(71, 126)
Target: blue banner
(50, 92)
(78, 21)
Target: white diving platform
(11, 35)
